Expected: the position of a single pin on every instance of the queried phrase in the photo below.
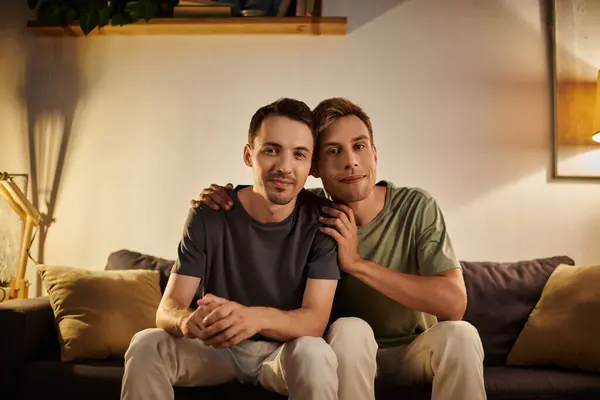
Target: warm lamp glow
(596, 137)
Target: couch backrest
(501, 297)
(127, 259)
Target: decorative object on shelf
(30, 218)
(253, 13)
(574, 65)
(91, 14)
(204, 9)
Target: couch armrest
(27, 333)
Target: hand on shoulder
(215, 197)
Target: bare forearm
(169, 316)
(434, 295)
(289, 325)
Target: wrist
(258, 316)
(181, 323)
(261, 320)
(357, 266)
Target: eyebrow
(273, 144)
(356, 139)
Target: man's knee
(459, 337)
(147, 344)
(349, 336)
(310, 354)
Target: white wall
(457, 92)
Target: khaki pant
(304, 368)
(449, 354)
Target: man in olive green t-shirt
(402, 274)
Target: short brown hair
(284, 107)
(330, 110)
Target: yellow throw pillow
(564, 326)
(98, 312)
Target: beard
(281, 199)
(280, 196)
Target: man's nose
(350, 160)
(284, 163)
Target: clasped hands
(221, 323)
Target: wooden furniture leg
(19, 287)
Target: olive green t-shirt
(409, 236)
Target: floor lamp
(31, 217)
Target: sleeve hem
(187, 270)
(439, 270)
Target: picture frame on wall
(573, 38)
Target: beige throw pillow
(564, 326)
(98, 312)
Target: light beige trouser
(304, 368)
(449, 354)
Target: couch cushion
(98, 312)
(500, 298)
(515, 383)
(564, 326)
(126, 259)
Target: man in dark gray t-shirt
(257, 264)
(267, 275)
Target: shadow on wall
(50, 91)
(359, 13)
(476, 122)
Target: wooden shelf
(207, 26)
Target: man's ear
(248, 155)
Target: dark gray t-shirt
(253, 263)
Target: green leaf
(89, 18)
(120, 19)
(142, 9)
(134, 10)
(50, 13)
(70, 15)
(104, 16)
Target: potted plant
(90, 14)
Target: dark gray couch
(501, 296)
